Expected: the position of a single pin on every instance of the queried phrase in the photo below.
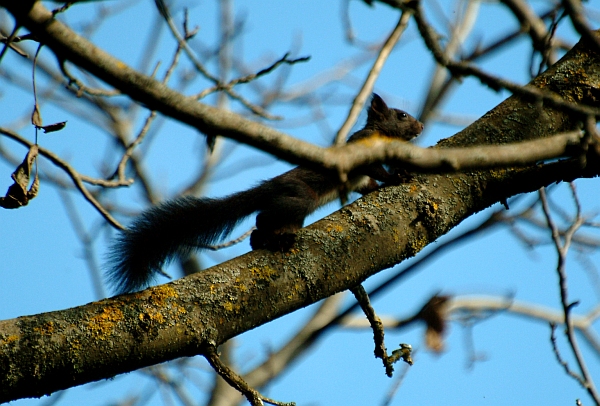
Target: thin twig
(248, 78)
(560, 359)
(8, 40)
(230, 243)
(462, 68)
(562, 249)
(73, 174)
(200, 68)
(369, 83)
(253, 396)
(577, 15)
(81, 87)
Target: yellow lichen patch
(9, 339)
(264, 273)
(335, 228)
(75, 344)
(498, 174)
(103, 324)
(161, 294)
(45, 329)
(418, 244)
(156, 316)
(240, 285)
(231, 307)
(161, 305)
(152, 316)
(396, 235)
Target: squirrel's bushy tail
(171, 229)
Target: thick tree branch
(43, 353)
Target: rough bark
(44, 353)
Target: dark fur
(178, 226)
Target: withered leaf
(54, 127)
(17, 194)
(36, 116)
(433, 313)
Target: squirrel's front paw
(400, 176)
(260, 239)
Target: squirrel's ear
(378, 105)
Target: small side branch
(369, 83)
(249, 78)
(233, 379)
(562, 247)
(362, 297)
(465, 69)
(75, 176)
(560, 359)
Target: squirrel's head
(391, 123)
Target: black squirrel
(178, 226)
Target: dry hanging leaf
(17, 194)
(36, 117)
(434, 316)
(54, 127)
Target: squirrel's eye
(403, 115)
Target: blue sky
(42, 262)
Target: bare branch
(73, 174)
(362, 298)
(219, 122)
(369, 83)
(255, 398)
(251, 77)
(459, 69)
(562, 249)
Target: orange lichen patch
(240, 285)
(161, 295)
(103, 324)
(232, 307)
(152, 316)
(498, 173)
(161, 305)
(418, 244)
(335, 228)
(45, 329)
(9, 339)
(75, 344)
(264, 273)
